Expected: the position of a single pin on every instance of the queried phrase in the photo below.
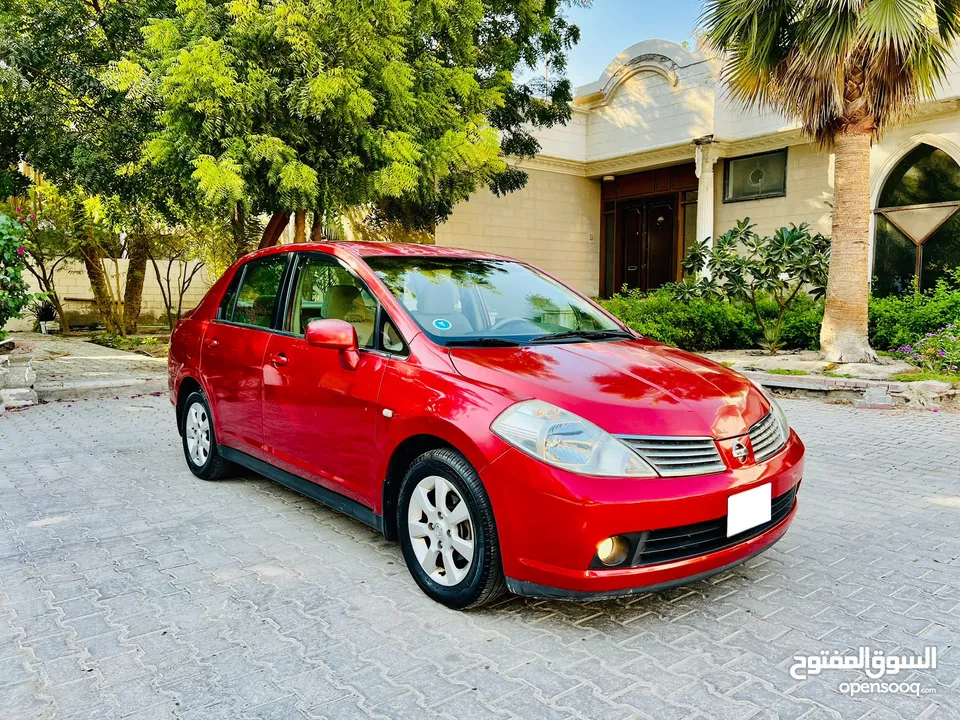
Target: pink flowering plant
(937, 352)
(14, 292)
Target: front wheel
(447, 531)
(199, 441)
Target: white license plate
(748, 509)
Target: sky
(614, 25)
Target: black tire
(484, 582)
(214, 467)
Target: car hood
(627, 387)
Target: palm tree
(845, 70)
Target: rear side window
(258, 291)
(225, 310)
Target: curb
(823, 384)
(864, 394)
(94, 389)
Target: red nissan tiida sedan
(510, 433)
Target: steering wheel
(501, 324)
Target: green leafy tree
(740, 265)
(60, 112)
(845, 70)
(293, 106)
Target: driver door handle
(212, 343)
(278, 360)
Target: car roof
(382, 249)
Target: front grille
(678, 456)
(766, 437)
(687, 541)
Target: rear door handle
(278, 360)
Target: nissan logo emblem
(740, 451)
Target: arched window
(918, 226)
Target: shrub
(14, 294)
(714, 324)
(801, 321)
(744, 266)
(900, 320)
(937, 352)
(696, 324)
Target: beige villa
(656, 156)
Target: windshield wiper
(584, 335)
(483, 342)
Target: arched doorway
(918, 226)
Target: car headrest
(437, 298)
(343, 302)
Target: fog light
(613, 550)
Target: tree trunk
(61, 314)
(316, 229)
(138, 250)
(843, 336)
(300, 226)
(102, 296)
(274, 228)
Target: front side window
(755, 177)
(257, 294)
(463, 301)
(325, 289)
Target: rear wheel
(447, 531)
(199, 441)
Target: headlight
(778, 412)
(564, 440)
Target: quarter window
(257, 295)
(324, 289)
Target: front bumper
(550, 522)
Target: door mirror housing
(335, 334)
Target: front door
(319, 417)
(648, 239)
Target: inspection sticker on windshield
(748, 509)
(442, 324)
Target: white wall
(73, 287)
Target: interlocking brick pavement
(130, 588)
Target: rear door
(231, 360)
(320, 417)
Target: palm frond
(833, 65)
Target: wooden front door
(648, 239)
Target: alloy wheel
(197, 430)
(441, 530)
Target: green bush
(696, 324)
(702, 323)
(801, 321)
(714, 324)
(902, 319)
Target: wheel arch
(400, 460)
(188, 385)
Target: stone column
(706, 157)
(707, 154)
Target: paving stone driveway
(128, 587)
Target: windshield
(469, 301)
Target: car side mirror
(334, 334)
